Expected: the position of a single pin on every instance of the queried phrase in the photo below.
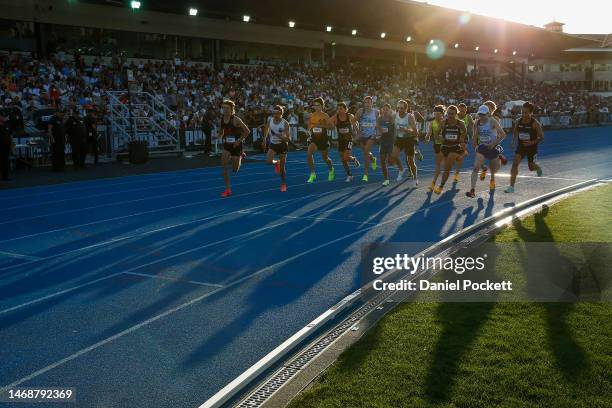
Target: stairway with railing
(139, 116)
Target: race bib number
(485, 139)
(384, 129)
(344, 130)
(451, 136)
(230, 139)
(367, 125)
(317, 130)
(524, 136)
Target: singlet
(466, 122)
(229, 132)
(434, 128)
(276, 130)
(526, 131)
(315, 129)
(402, 122)
(344, 127)
(367, 124)
(485, 132)
(387, 128)
(450, 133)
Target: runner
(529, 133)
(453, 143)
(434, 132)
(367, 117)
(278, 130)
(233, 133)
(319, 140)
(488, 133)
(345, 124)
(494, 112)
(386, 130)
(405, 140)
(469, 125)
(418, 119)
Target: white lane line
(61, 292)
(118, 192)
(305, 217)
(170, 278)
(20, 256)
(198, 299)
(166, 209)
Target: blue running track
(152, 291)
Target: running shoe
(503, 159)
(483, 173)
(432, 187)
(243, 155)
(349, 179)
(364, 178)
(509, 189)
(400, 175)
(356, 163)
(385, 183)
(312, 178)
(438, 189)
(416, 182)
(539, 171)
(374, 165)
(456, 178)
(283, 188)
(419, 155)
(331, 176)
(277, 167)
(471, 193)
(226, 193)
(492, 185)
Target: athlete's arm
(462, 134)
(501, 135)
(429, 133)
(334, 120)
(540, 131)
(514, 133)
(286, 135)
(475, 135)
(245, 130)
(412, 125)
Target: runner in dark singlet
(232, 131)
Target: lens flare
(464, 18)
(435, 49)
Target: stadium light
(514, 52)
(334, 44)
(383, 35)
(328, 29)
(246, 18)
(135, 4)
(456, 45)
(408, 39)
(193, 11)
(354, 32)
(476, 48)
(292, 24)
(495, 51)
(431, 41)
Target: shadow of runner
(461, 318)
(570, 357)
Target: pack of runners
(452, 133)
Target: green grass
(487, 354)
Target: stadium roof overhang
(397, 18)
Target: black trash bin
(138, 151)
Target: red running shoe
(283, 188)
(226, 193)
(277, 167)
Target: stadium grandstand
(77, 54)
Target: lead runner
(233, 133)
